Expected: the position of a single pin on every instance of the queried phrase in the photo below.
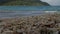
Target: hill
(23, 2)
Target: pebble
(28, 25)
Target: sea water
(13, 11)
(41, 8)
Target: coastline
(26, 24)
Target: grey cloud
(52, 2)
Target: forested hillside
(23, 2)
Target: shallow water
(13, 11)
(8, 14)
(19, 13)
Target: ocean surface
(14, 11)
(41, 8)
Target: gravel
(30, 24)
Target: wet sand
(30, 24)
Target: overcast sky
(52, 2)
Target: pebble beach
(39, 24)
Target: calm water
(13, 11)
(49, 8)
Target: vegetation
(24, 3)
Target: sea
(14, 11)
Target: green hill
(25, 3)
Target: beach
(30, 24)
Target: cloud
(52, 2)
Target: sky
(52, 2)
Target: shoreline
(32, 14)
(24, 16)
(26, 25)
